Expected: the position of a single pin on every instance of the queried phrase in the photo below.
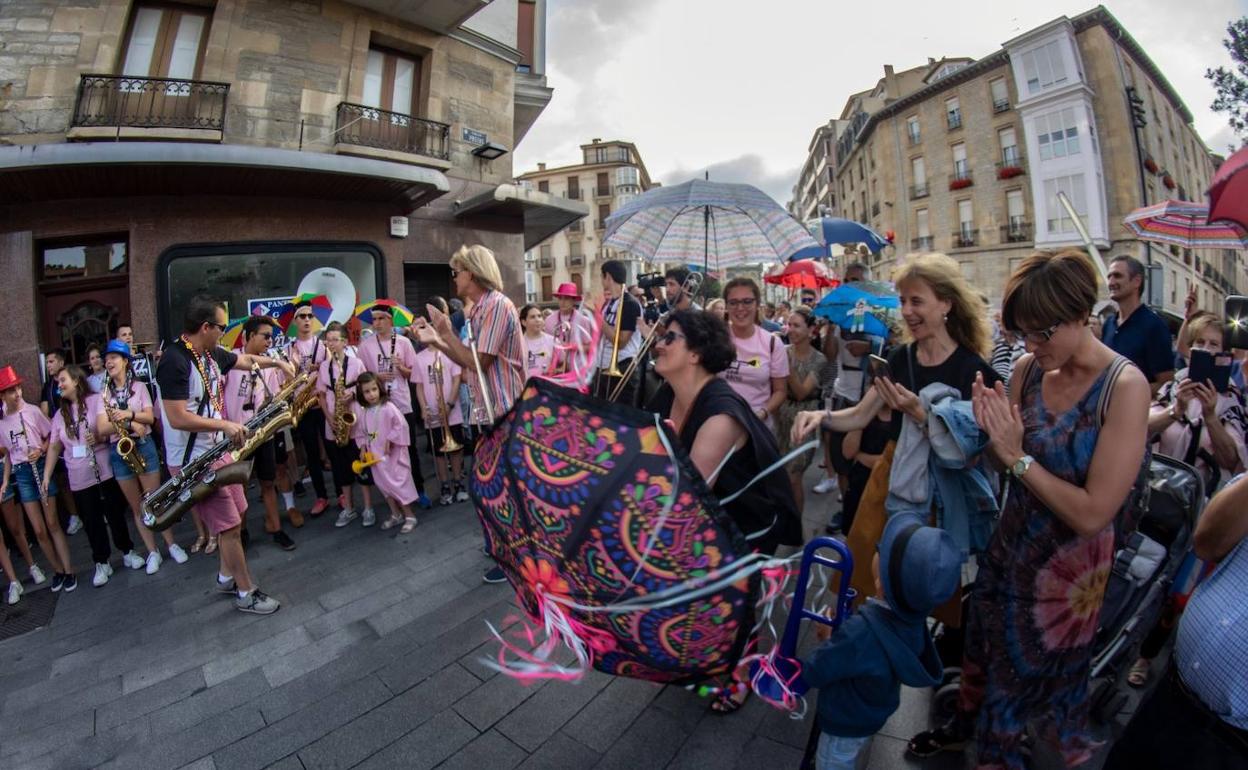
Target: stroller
(1137, 592)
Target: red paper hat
(568, 290)
(9, 378)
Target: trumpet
(691, 285)
(614, 370)
(449, 444)
(366, 459)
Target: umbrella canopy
(830, 230)
(724, 224)
(1228, 192)
(232, 337)
(319, 304)
(841, 306)
(1184, 224)
(803, 274)
(401, 315)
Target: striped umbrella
(724, 224)
(232, 337)
(1184, 224)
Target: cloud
(748, 169)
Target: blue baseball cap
(920, 566)
(118, 347)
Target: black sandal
(931, 742)
(724, 704)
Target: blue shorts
(147, 450)
(27, 486)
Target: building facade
(814, 194)
(253, 149)
(610, 174)
(971, 162)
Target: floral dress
(1038, 595)
(816, 364)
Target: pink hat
(568, 290)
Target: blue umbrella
(839, 306)
(830, 230)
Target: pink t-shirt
(138, 400)
(540, 351)
(26, 424)
(74, 449)
(243, 390)
(378, 357)
(760, 357)
(311, 353)
(324, 384)
(422, 375)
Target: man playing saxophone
(190, 381)
(619, 343)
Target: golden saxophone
(344, 416)
(127, 448)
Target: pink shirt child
(423, 376)
(138, 400)
(760, 357)
(75, 450)
(324, 384)
(540, 354)
(382, 430)
(312, 352)
(25, 424)
(378, 357)
(243, 390)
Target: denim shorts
(147, 450)
(27, 486)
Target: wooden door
(75, 320)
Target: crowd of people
(1017, 440)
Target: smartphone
(878, 367)
(1236, 315)
(1203, 365)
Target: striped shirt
(496, 326)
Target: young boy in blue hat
(860, 670)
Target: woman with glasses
(760, 372)
(726, 441)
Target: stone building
(609, 175)
(970, 161)
(255, 148)
(815, 192)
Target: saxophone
(344, 416)
(127, 448)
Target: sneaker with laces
(494, 575)
(319, 507)
(133, 560)
(15, 592)
(154, 560)
(369, 518)
(75, 526)
(102, 573)
(283, 541)
(258, 603)
(36, 574)
(461, 494)
(446, 498)
(825, 486)
(58, 581)
(345, 518)
(71, 582)
(177, 553)
(424, 502)
(228, 587)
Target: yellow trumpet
(366, 459)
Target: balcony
(1000, 105)
(602, 224)
(919, 191)
(602, 192)
(575, 227)
(1011, 164)
(1016, 231)
(961, 178)
(954, 119)
(576, 260)
(111, 107)
(545, 263)
(573, 195)
(965, 238)
(922, 243)
(382, 133)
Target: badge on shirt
(78, 452)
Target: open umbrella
(853, 306)
(401, 315)
(724, 224)
(803, 274)
(1184, 224)
(1228, 192)
(830, 230)
(232, 337)
(318, 303)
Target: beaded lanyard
(214, 400)
(118, 402)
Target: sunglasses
(266, 335)
(454, 273)
(304, 316)
(747, 302)
(671, 337)
(1039, 337)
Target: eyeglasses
(266, 335)
(454, 273)
(1040, 337)
(304, 316)
(747, 302)
(670, 338)
(808, 300)
(219, 327)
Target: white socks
(289, 499)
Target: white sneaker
(132, 560)
(102, 573)
(825, 486)
(461, 495)
(369, 517)
(36, 574)
(154, 560)
(75, 526)
(178, 554)
(15, 592)
(345, 518)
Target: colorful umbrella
(803, 274)
(401, 315)
(319, 303)
(232, 337)
(834, 230)
(841, 306)
(1228, 192)
(1184, 224)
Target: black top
(876, 436)
(772, 497)
(956, 371)
(632, 311)
(173, 374)
(51, 392)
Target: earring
(945, 318)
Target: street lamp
(489, 151)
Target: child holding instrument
(433, 369)
(382, 434)
(340, 372)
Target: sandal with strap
(200, 542)
(931, 742)
(1137, 676)
(408, 525)
(392, 522)
(724, 703)
(212, 545)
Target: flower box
(1009, 172)
(1168, 181)
(1151, 165)
(960, 184)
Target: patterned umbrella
(1228, 192)
(232, 337)
(1184, 224)
(725, 224)
(319, 303)
(401, 315)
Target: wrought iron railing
(545, 263)
(1000, 105)
(576, 260)
(1016, 232)
(385, 130)
(965, 238)
(117, 100)
(919, 191)
(922, 243)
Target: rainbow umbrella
(232, 337)
(401, 315)
(1185, 224)
(319, 304)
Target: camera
(649, 281)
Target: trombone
(449, 444)
(691, 285)
(614, 371)
(476, 362)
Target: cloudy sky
(739, 87)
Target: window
(391, 81)
(953, 113)
(628, 176)
(961, 168)
(1096, 150)
(921, 223)
(1014, 208)
(1058, 134)
(604, 184)
(525, 34)
(604, 211)
(548, 287)
(966, 220)
(576, 280)
(1059, 220)
(543, 186)
(1000, 95)
(600, 155)
(1009, 146)
(1044, 68)
(96, 260)
(918, 169)
(574, 188)
(621, 154)
(1174, 287)
(166, 42)
(913, 130)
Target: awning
(44, 172)
(538, 215)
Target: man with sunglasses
(245, 394)
(307, 352)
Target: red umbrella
(1228, 192)
(804, 274)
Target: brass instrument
(366, 459)
(614, 371)
(344, 416)
(127, 447)
(690, 287)
(476, 362)
(449, 444)
(167, 504)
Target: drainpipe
(1139, 154)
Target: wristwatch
(1021, 465)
